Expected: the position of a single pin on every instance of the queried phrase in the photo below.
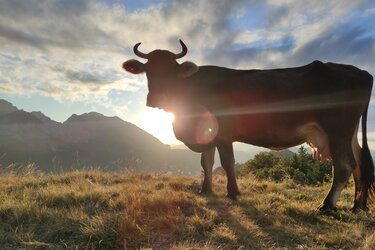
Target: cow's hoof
(327, 210)
(358, 208)
(206, 189)
(205, 192)
(233, 196)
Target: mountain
(282, 153)
(84, 141)
(45, 119)
(6, 107)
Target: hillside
(85, 141)
(93, 210)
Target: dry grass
(94, 210)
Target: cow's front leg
(207, 161)
(227, 162)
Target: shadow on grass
(292, 227)
(224, 228)
(240, 224)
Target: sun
(159, 123)
(170, 116)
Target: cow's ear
(134, 66)
(186, 69)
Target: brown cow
(319, 103)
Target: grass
(95, 210)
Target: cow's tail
(367, 165)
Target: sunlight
(170, 116)
(159, 123)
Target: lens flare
(198, 128)
(207, 129)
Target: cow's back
(310, 78)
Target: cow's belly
(277, 135)
(276, 139)
(202, 130)
(268, 130)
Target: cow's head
(163, 73)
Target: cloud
(69, 24)
(345, 43)
(20, 36)
(97, 77)
(369, 12)
(77, 53)
(298, 32)
(252, 54)
(73, 50)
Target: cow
(320, 104)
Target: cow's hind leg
(359, 198)
(207, 162)
(343, 166)
(227, 161)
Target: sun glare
(169, 116)
(159, 123)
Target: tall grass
(95, 210)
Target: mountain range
(92, 140)
(84, 141)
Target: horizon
(238, 147)
(179, 145)
(57, 58)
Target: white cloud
(73, 50)
(369, 12)
(77, 53)
(253, 36)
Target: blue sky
(63, 56)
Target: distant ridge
(42, 117)
(88, 117)
(85, 141)
(282, 153)
(19, 117)
(6, 107)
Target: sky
(64, 56)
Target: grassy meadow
(96, 210)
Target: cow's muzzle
(156, 100)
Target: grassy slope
(93, 210)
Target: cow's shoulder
(316, 67)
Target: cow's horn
(138, 53)
(184, 50)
